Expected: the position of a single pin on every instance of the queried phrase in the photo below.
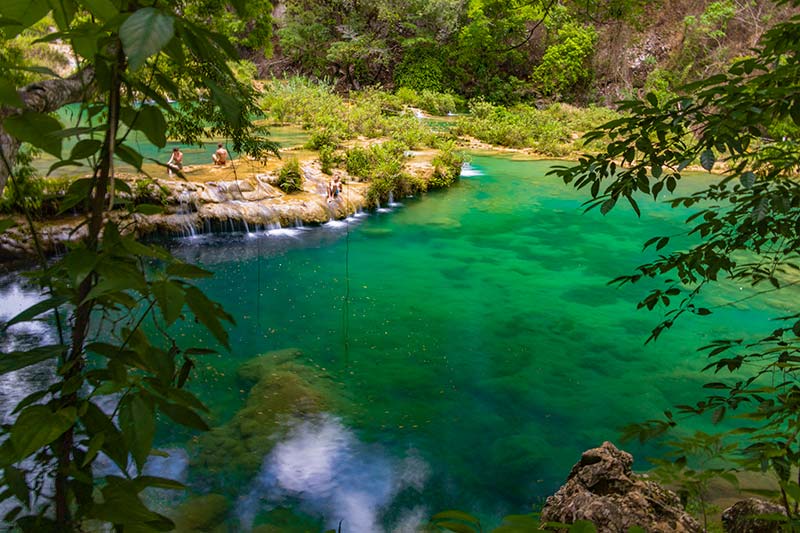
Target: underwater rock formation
(602, 489)
(282, 389)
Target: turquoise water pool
(472, 341)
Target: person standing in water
(175, 163)
(220, 157)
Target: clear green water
(285, 136)
(485, 349)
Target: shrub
(322, 138)
(553, 131)
(446, 166)
(148, 191)
(565, 66)
(290, 176)
(25, 192)
(327, 159)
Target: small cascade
(392, 203)
(468, 170)
(186, 211)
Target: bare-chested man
(221, 156)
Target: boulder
(741, 517)
(602, 489)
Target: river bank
(241, 196)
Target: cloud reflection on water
(322, 467)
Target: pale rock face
(602, 489)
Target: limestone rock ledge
(602, 489)
(209, 200)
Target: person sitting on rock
(175, 163)
(220, 157)
(334, 188)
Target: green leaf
(16, 360)
(607, 206)
(144, 34)
(121, 504)
(26, 12)
(15, 479)
(36, 129)
(707, 160)
(63, 12)
(97, 422)
(37, 426)
(95, 445)
(170, 299)
(184, 416)
(35, 310)
(748, 179)
(185, 270)
(149, 209)
(151, 122)
(101, 9)
(130, 156)
(138, 424)
(142, 482)
(85, 148)
(229, 105)
(6, 224)
(8, 94)
(582, 526)
(208, 313)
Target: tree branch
(41, 97)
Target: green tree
(101, 291)
(744, 226)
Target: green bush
(553, 131)
(322, 138)
(565, 67)
(24, 193)
(148, 191)
(446, 166)
(290, 176)
(327, 158)
(421, 69)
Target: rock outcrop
(741, 517)
(602, 489)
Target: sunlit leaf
(144, 34)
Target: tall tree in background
(111, 378)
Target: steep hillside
(676, 41)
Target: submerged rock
(202, 513)
(602, 489)
(741, 517)
(283, 389)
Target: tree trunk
(42, 97)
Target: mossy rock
(254, 369)
(202, 513)
(284, 390)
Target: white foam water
(468, 170)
